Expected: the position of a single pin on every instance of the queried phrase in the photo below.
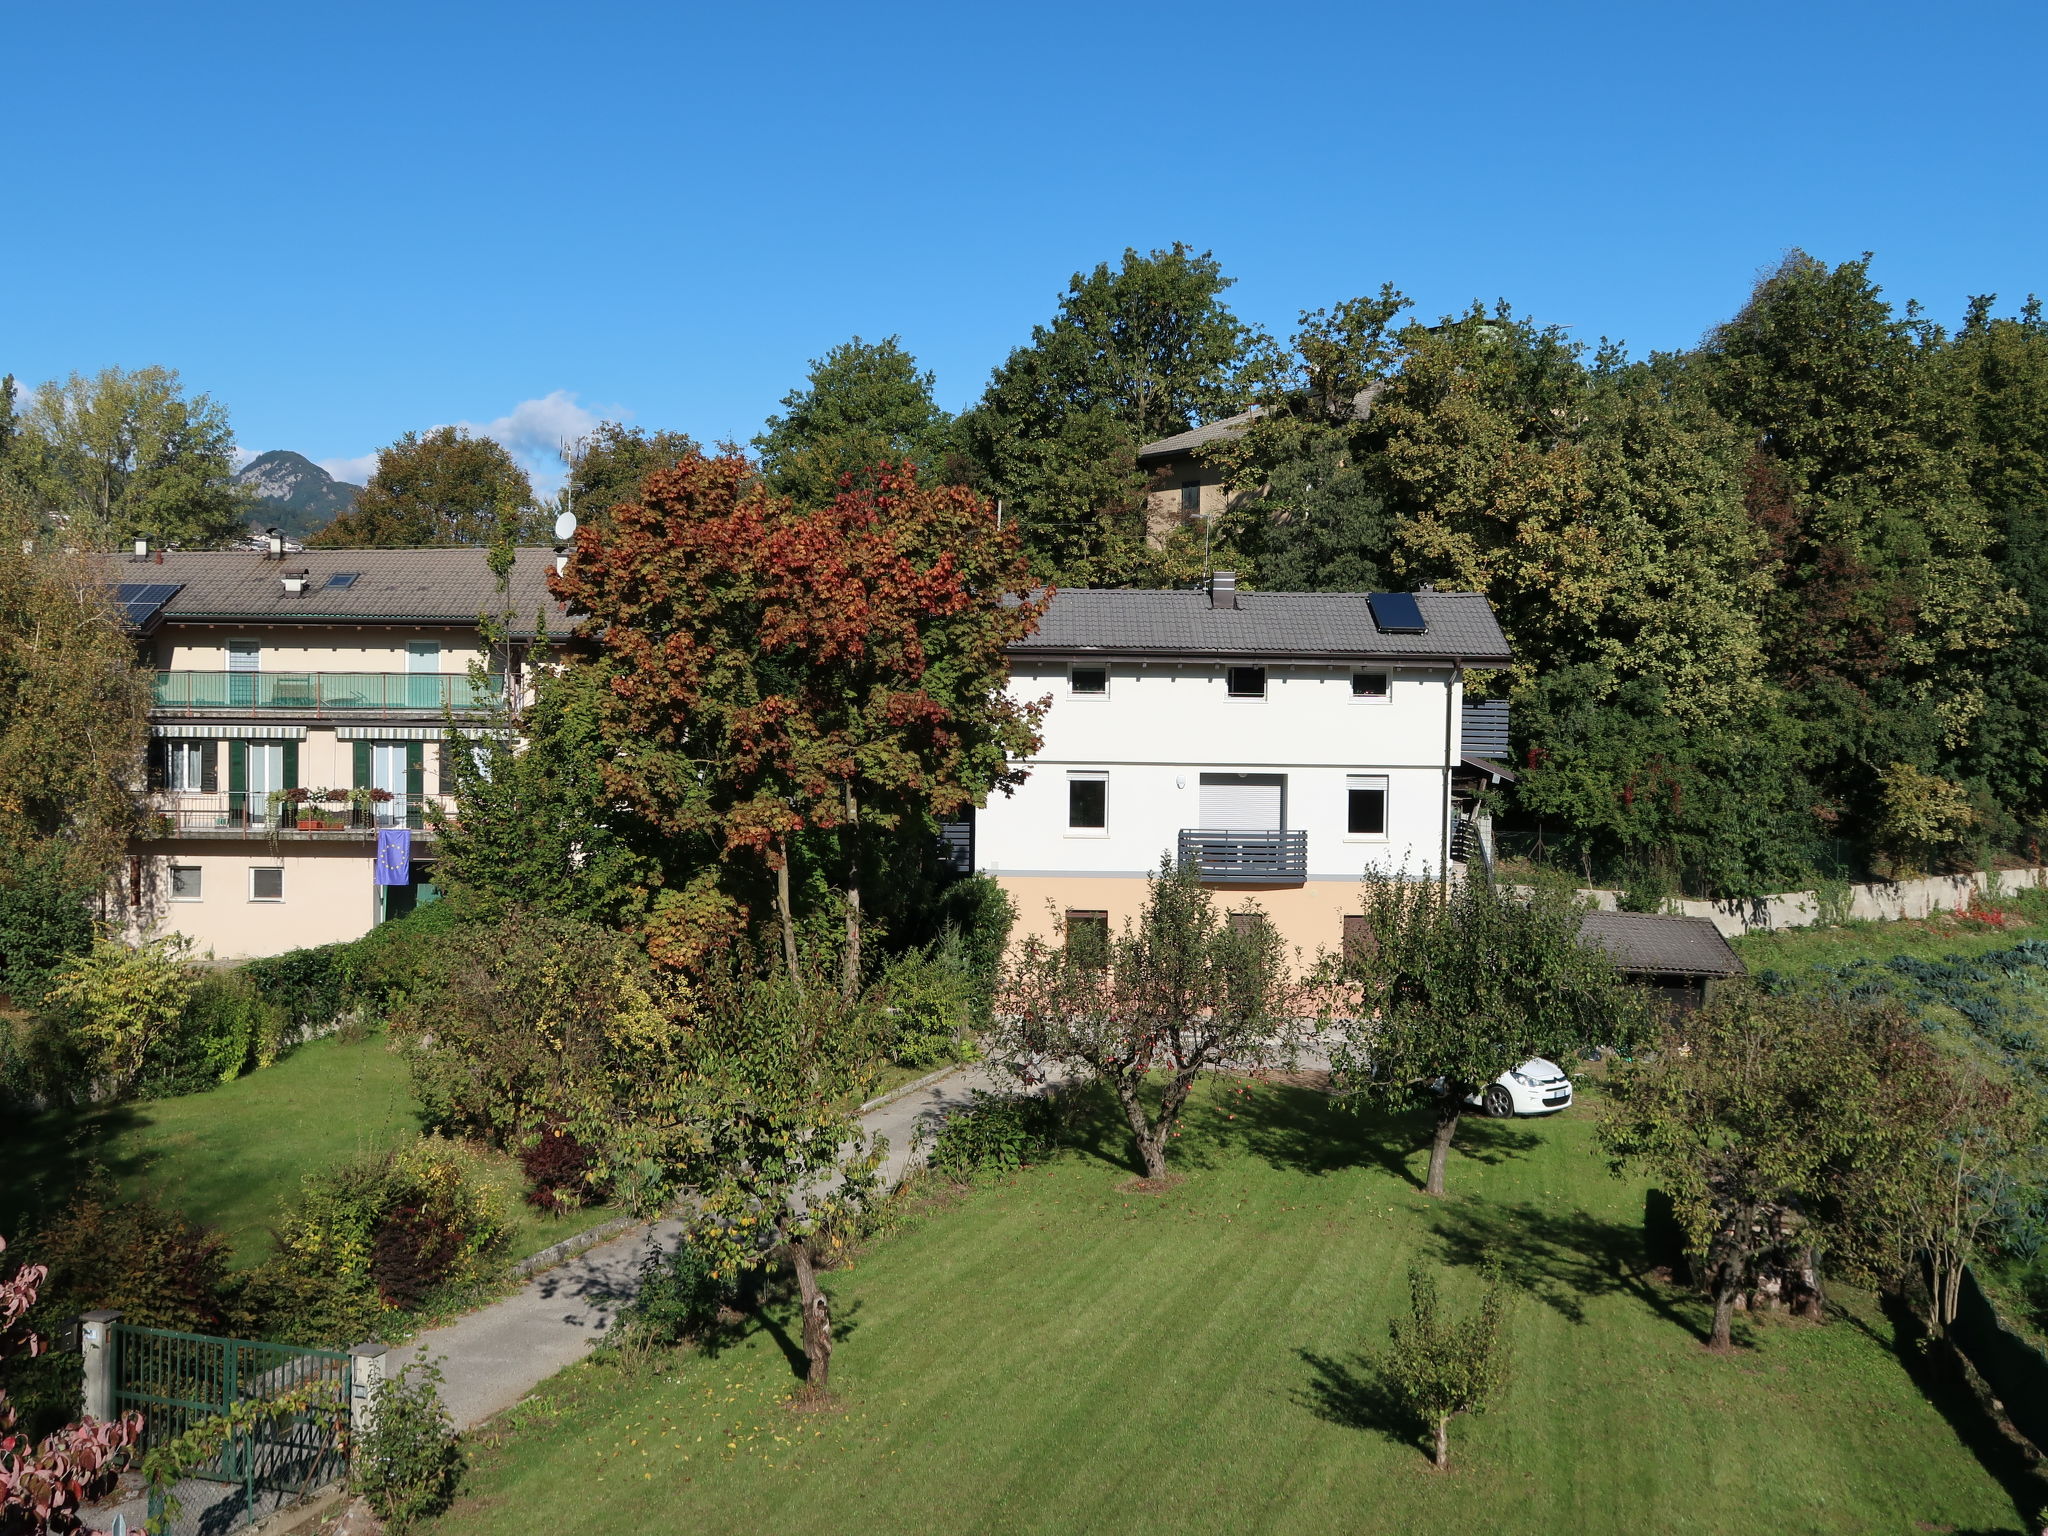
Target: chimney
(1223, 589)
(274, 540)
(142, 549)
(294, 583)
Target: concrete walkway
(495, 1356)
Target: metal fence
(181, 1380)
(325, 692)
(1246, 858)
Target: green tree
(607, 467)
(1438, 1367)
(125, 454)
(434, 488)
(1456, 984)
(863, 404)
(119, 998)
(1134, 354)
(1182, 992)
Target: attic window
(342, 579)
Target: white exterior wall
(1163, 724)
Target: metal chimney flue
(1223, 589)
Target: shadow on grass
(844, 1326)
(52, 1152)
(1351, 1393)
(1562, 1258)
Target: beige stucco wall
(328, 895)
(1309, 917)
(1163, 511)
(310, 648)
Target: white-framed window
(266, 882)
(1365, 808)
(186, 882)
(1088, 680)
(1369, 688)
(185, 765)
(1088, 803)
(1245, 682)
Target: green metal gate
(180, 1380)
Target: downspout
(1450, 763)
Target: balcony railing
(1246, 858)
(235, 813)
(325, 693)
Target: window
(184, 765)
(266, 884)
(1246, 682)
(1358, 940)
(1088, 681)
(1369, 687)
(342, 580)
(1088, 938)
(1366, 813)
(1191, 495)
(1087, 801)
(185, 882)
(1247, 922)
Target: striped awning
(401, 732)
(233, 732)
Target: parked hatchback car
(1537, 1087)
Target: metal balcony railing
(324, 693)
(1246, 858)
(232, 813)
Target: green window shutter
(415, 782)
(362, 765)
(238, 775)
(209, 766)
(291, 765)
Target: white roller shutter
(1244, 802)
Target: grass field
(1060, 1353)
(1797, 950)
(233, 1157)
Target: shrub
(410, 1462)
(310, 986)
(996, 1133)
(679, 1300)
(44, 922)
(559, 1171)
(931, 998)
(380, 1235)
(116, 1000)
(228, 1028)
(1437, 1368)
(136, 1256)
(979, 911)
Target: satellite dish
(565, 527)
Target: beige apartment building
(300, 709)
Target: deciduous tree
(1438, 1367)
(440, 487)
(1454, 984)
(607, 467)
(1183, 991)
(864, 405)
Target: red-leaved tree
(43, 1486)
(775, 671)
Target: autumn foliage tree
(778, 674)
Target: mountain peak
(294, 493)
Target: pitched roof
(1263, 625)
(1650, 943)
(391, 586)
(1183, 442)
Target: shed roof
(391, 586)
(1653, 944)
(1276, 625)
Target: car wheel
(1500, 1104)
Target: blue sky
(345, 222)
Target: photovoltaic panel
(1396, 613)
(142, 601)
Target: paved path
(495, 1356)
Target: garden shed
(1680, 958)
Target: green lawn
(1061, 1354)
(233, 1157)
(1795, 951)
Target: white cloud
(356, 471)
(240, 456)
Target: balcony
(230, 813)
(316, 694)
(1246, 858)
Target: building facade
(1281, 742)
(300, 708)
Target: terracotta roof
(1652, 944)
(1263, 625)
(390, 586)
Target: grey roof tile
(1652, 943)
(424, 586)
(1182, 442)
(1328, 625)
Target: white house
(1282, 741)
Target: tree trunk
(849, 982)
(1721, 1339)
(817, 1316)
(785, 914)
(1440, 1144)
(1151, 1141)
(1811, 1300)
(1443, 1441)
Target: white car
(1537, 1087)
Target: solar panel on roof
(1396, 613)
(142, 601)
